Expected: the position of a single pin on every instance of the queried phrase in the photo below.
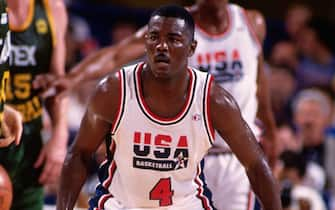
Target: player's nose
(162, 45)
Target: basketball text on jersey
(155, 152)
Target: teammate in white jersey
(161, 116)
(232, 53)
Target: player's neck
(18, 11)
(214, 21)
(18, 5)
(167, 87)
(165, 97)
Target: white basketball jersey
(156, 161)
(231, 58)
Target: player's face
(168, 45)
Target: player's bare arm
(264, 112)
(94, 127)
(11, 127)
(96, 65)
(235, 131)
(53, 153)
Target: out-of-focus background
(299, 51)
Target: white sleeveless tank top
(231, 58)
(156, 161)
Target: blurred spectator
(317, 66)
(288, 140)
(312, 111)
(285, 196)
(302, 197)
(297, 16)
(284, 53)
(330, 163)
(79, 42)
(282, 85)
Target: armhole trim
(207, 109)
(51, 20)
(252, 30)
(122, 97)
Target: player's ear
(192, 47)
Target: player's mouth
(162, 58)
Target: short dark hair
(176, 12)
(294, 160)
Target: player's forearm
(108, 60)
(94, 66)
(265, 114)
(57, 111)
(74, 174)
(264, 185)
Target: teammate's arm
(264, 112)
(97, 64)
(227, 120)
(96, 123)
(53, 152)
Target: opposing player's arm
(264, 112)
(227, 120)
(56, 109)
(95, 125)
(53, 152)
(110, 59)
(94, 66)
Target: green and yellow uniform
(31, 51)
(4, 52)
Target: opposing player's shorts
(228, 182)
(19, 163)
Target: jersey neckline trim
(145, 108)
(220, 35)
(27, 22)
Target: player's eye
(153, 37)
(174, 40)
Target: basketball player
(37, 46)
(10, 120)
(229, 47)
(162, 117)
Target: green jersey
(4, 52)
(31, 51)
(30, 55)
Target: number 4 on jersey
(162, 192)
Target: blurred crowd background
(299, 50)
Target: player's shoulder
(110, 85)
(255, 20)
(252, 14)
(105, 99)
(109, 82)
(221, 98)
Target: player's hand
(53, 85)
(11, 127)
(51, 157)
